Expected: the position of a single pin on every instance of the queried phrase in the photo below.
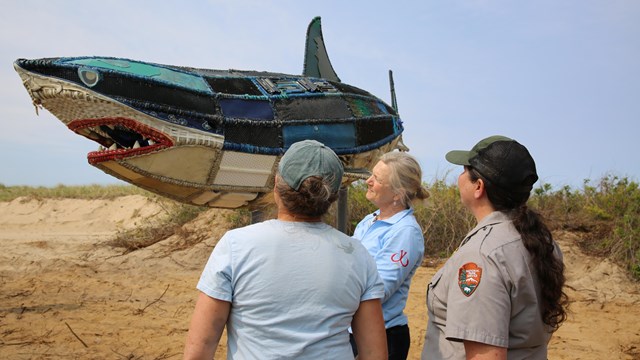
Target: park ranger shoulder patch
(469, 276)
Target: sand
(66, 294)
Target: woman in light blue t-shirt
(289, 288)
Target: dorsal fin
(316, 59)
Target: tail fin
(316, 59)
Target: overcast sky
(561, 77)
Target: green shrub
(239, 218)
(615, 203)
(443, 219)
(606, 214)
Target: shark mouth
(119, 138)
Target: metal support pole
(257, 216)
(342, 211)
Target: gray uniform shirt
(487, 292)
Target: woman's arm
(369, 332)
(480, 351)
(402, 250)
(207, 323)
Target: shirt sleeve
(374, 285)
(401, 250)
(216, 278)
(479, 304)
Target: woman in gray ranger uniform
(500, 294)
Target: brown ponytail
(538, 240)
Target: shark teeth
(99, 132)
(119, 138)
(137, 145)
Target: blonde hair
(405, 177)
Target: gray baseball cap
(310, 158)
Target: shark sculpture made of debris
(211, 137)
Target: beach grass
(605, 213)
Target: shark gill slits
(88, 76)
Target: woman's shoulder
(248, 231)
(409, 221)
(254, 226)
(499, 241)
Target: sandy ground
(66, 294)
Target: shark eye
(89, 77)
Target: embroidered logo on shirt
(469, 278)
(399, 259)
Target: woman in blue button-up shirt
(394, 239)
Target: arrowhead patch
(469, 276)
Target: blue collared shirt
(397, 245)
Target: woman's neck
(480, 209)
(389, 211)
(286, 216)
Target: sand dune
(64, 293)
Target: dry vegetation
(88, 192)
(86, 278)
(606, 214)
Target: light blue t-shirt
(294, 288)
(397, 245)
